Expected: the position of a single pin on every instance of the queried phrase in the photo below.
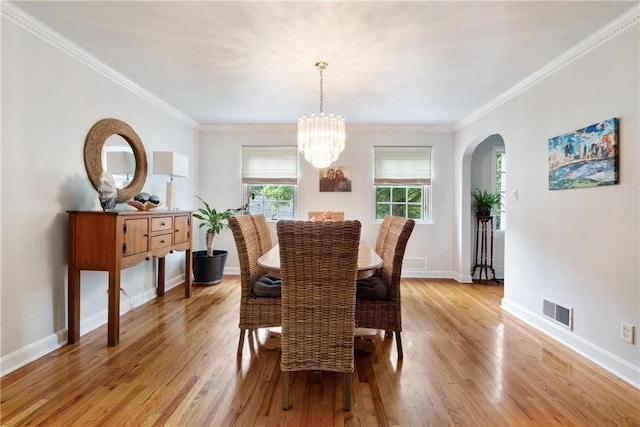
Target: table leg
(161, 277)
(113, 320)
(187, 273)
(73, 302)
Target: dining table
(368, 261)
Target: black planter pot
(483, 211)
(208, 270)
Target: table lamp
(121, 163)
(172, 164)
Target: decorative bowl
(146, 206)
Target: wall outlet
(627, 332)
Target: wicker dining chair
(318, 265)
(335, 215)
(385, 312)
(382, 234)
(264, 235)
(255, 312)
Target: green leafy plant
(485, 201)
(213, 221)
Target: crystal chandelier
(321, 137)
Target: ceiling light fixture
(321, 137)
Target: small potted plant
(485, 202)
(208, 266)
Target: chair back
(264, 235)
(392, 253)
(318, 265)
(327, 215)
(247, 241)
(382, 233)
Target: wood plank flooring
(466, 363)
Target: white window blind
(270, 165)
(402, 165)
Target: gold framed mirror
(94, 144)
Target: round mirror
(93, 155)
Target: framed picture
(587, 157)
(335, 178)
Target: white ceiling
(396, 62)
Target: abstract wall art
(587, 157)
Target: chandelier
(321, 137)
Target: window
(500, 185)
(269, 180)
(402, 182)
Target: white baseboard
(34, 351)
(462, 278)
(31, 352)
(608, 361)
(232, 271)
(426, 274)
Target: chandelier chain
(321, 89)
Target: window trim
(494, 169)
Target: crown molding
(248, 127)
(399, 128)
(606, 33)
(25, 21)
(16, 15)
(292, 127)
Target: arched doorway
(488, 172)
(484, 167)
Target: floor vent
(557, 313)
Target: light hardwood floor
(466, 363)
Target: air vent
(557, 313)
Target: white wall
(579, 248)
(429, 252)
(50, 100)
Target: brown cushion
(371, 288)
(267, 286)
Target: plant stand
(484, 248)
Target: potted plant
(485, 201)
(208, 266)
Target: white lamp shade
(174, 164)
(120, 162)
(170, 163)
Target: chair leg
(399, 345)
(241, 342)
(346, 393)
(285, 390)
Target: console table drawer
(162, 223)
(161, 241)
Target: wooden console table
(111, 241)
